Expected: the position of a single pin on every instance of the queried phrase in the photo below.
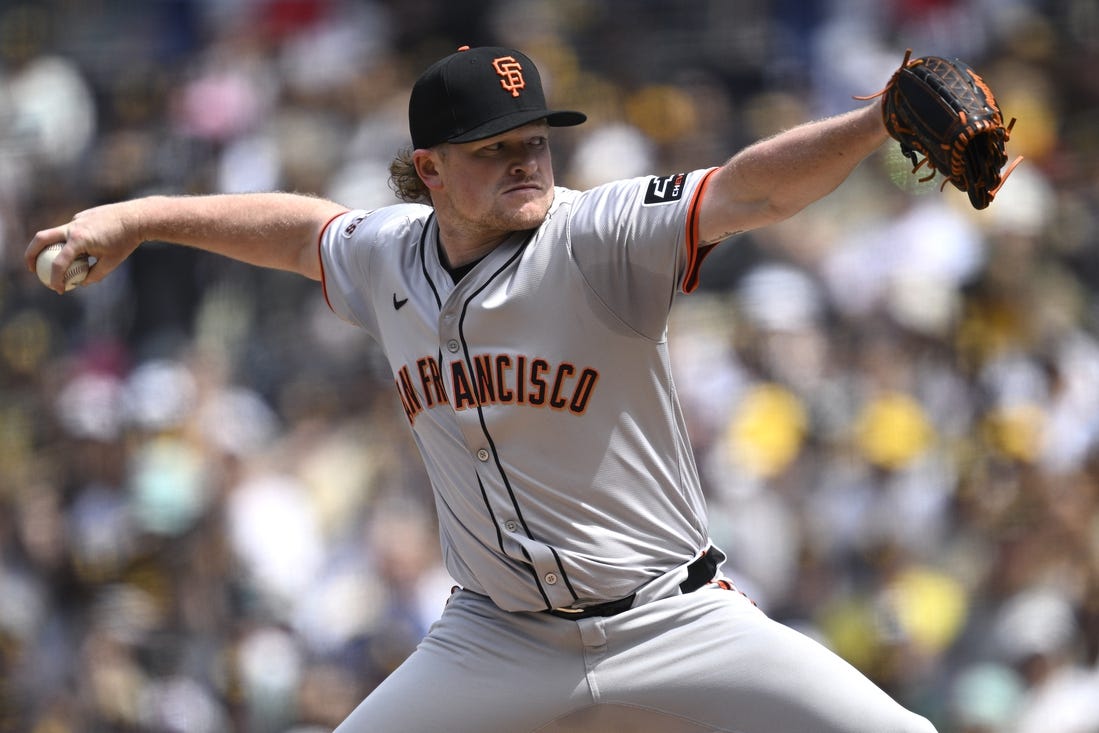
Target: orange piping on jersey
(320, 259)
(695, 253)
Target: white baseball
(75, 275)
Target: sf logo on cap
(511, 74)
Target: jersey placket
(456, 323)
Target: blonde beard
(498, 221)
(518, 221)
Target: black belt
(699, 573)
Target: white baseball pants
(706, 662)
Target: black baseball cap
(477, 93)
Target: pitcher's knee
(917, 724)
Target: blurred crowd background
(211, 515)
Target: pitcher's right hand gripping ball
(943, 110)
(73, 276)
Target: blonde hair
(405, 181)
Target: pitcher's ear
(426, 161)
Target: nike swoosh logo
(398, 304)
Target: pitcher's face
(500, 185)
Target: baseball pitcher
(525, 326)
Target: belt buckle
(609, 608)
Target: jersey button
(550, 578)
(482, 455)
(452, 346)
(511, 525)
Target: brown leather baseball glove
(943, 110)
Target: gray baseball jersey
(540, 393)
(539, 388)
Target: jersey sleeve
(360, 249)
(636, 242)
(345, 252)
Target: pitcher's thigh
(721, 661)
(476, 672)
